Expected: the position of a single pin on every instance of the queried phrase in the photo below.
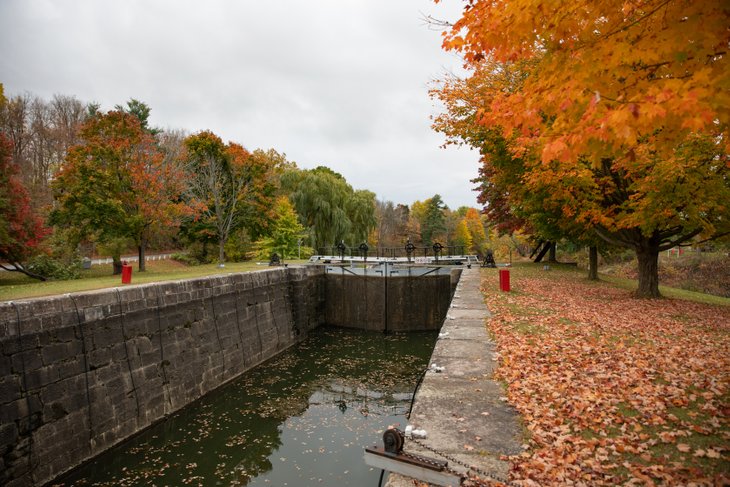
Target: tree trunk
(536, 249)
(542, 253)
(141, 248)
(648, 257)
(116, 265)
(593, 263)
(221, 253)
(551, 255)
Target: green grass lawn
(14, 285)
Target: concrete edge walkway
(462, 408)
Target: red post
(126, 274)
(504, 279)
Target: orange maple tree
(616, 111)
(116, 183)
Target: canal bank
(462, 408)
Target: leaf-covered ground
(612, 389)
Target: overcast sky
(340, 83)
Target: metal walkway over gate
(427, 260)
(436, 254)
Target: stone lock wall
(80, 373)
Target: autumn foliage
(608, 73)
(598, 116)
(116, 183)
(235, 188)
(612, 390)
(21, 230)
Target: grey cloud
(341, 83)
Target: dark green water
(301, 419)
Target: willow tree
(361, 212)
(329, 207)
(619, 112)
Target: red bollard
(504, 279)
(126, 274)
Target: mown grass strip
(14, 285)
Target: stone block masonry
(80, 373)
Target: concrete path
(461, 408)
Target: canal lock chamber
(86, 372)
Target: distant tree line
(76, 180)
